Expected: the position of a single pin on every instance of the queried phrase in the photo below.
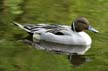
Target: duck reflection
(67, 49)
(75, 53)
(77, 60)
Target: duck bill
(90, 28)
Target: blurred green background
(17, 56)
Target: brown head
(81, 24)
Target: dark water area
(1, 5)
(78, 60)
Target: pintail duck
(61, 34)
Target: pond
(18, 56)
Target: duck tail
(21, 26)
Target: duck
(61, 34)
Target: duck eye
(85, 26)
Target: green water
(18, 56)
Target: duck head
(81, 24)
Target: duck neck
(73, 27)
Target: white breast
(86, 37)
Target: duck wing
(32, 28)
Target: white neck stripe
(73, 25)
